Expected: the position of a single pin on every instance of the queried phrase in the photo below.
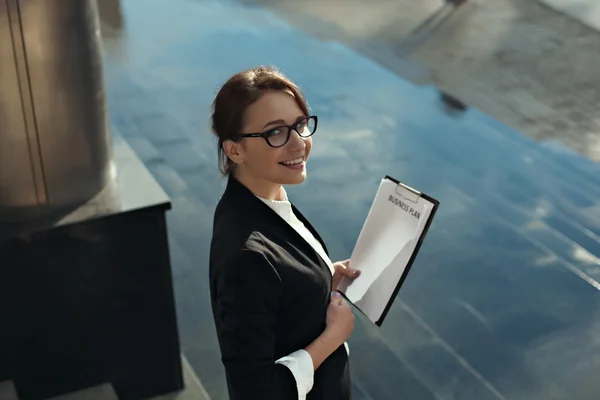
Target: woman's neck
(260, 187)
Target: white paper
(385, 245)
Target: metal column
(54, 139)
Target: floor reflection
(503, 300)
(452, 105)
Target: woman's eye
(274, 132)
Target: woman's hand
(339, 327)
(342, 269)
(340, 320)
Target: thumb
(336, 298)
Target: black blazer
(270, 291)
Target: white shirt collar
(282, 207)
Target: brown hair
(236, 95)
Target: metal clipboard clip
(416, 193)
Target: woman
(281, 331)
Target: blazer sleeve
(247, 299)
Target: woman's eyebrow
(282, 122)
(275, 122)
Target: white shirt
(299, 362)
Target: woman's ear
(234, 151)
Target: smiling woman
(281, 332)
(260, 103)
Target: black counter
(87, 297)
(132, 188)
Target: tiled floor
(193, 390)
(586, 11)
(7, 391)
(503, 300)
(520, 61)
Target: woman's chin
(293, 179)
(292, 176)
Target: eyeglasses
(280, 135)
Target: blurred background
(495, 306)
(490, 106)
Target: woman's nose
(296, 142)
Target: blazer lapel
(245, 199)
(310, 228)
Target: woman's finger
(352, 273)
(336, 298)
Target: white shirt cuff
(300, 363)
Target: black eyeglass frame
(265, 134)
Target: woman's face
(266, 164)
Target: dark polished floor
(503, 301)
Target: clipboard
(380, 290)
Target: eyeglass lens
(278, 137)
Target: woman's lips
(295, 166)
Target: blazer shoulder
(246, 267)
(249, 248)
(252, 244)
